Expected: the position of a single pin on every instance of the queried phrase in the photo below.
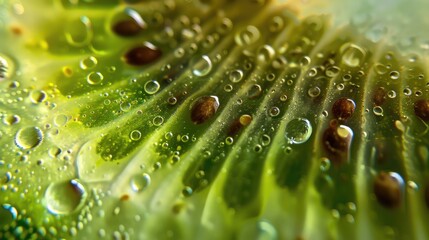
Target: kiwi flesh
(199, 119)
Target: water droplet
(236, 76)
(305, 61)
(140, 182)
(265, 140)
(352, 55)
(179, 52)
(79, 32)
(65, 198)
(254, 91)
(7, 214)
(314, 92)
(94, 78)
(143, 55)
(391, 94)
(332, 71)
(266, 231)
(229, 141)
(88, 63)
(152, 87)
(204, 108)
(274, 111)
(202, 67)
(60, 120)
(38, 96)
(394, 75)
(298, 131)
(7, 67)
(377, 110)
(135, 135)
(29, 137)
(158, 121)
(407, 92)
(265, 54)
(11, 119)
(277, 24)
(248, 36)
(325, 164)
(228, 88)
(187, 191)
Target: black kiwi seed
(379, 96)
(343, 108)
(204, 109)
(387, 190)
(142, 55)
(127, 28)
(421, 109)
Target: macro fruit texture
(200, 119)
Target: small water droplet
(254, 91)
(274, 111)
(229, 140)
(265, 54)
(65, 198)
(247, 36)
(158, 121)
(378, 111)
(332, 71)
(38, 96)
(140, 182)
(135, 135)
(88, 63)
(314, 92)
(394, 75)
(29, 137)
(94, 78)
(202, 66)
(152, 87)
(11, 119)
(298, 131)
(352, 55)
(391, 94)
(236, 75)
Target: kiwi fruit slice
(200, 119)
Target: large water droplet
(298, 131)
(27, 138)
(65, 197)
(352, 55)
(139, 182)
(202, 67)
